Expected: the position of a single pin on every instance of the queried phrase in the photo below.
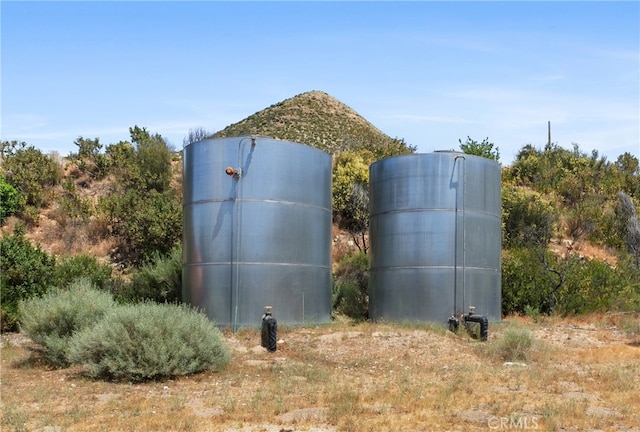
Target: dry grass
(578, 375)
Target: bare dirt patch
(342, 377)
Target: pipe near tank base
(480, 319)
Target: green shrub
(160, 279)
(349, 300)
(26, 271)
(70, 268)
(149, 341)
(351, 289)
(514, 344)
(52, 319)
(30, 171)
(525, 284)
(11, 201)
(596, 286)
(528, 217)
(140, 231)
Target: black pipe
(453, 324)
(480, 319)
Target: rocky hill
(316, 119)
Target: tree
(11, 201)
(89, 159)
(629, 167)
(351, 290)
(26, 271)
(483, 148)
(30, 171)
(195, 135)
(351, 195)
(142, 230)
(153, 157)
(145, 213)
(528, 218)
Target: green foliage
(567, 172)
(26, 271)
(30, 171)
(11, 201)
(153, 159)
(586, 285)
(159, 279)
(528, 218)
(596, 286)
(351, 193)
(89, 159)
(145, 214)
(51, 320)
(318, 120)
(525, 285)
(143, 223)
(70, 268)
(629, 168)
(484, 148)
(149, 341)
(122, 160)
(351, 289)
(72, 205)
(350, 167)
(585, 186)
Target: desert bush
(52, 319)
(159, 279)
(30, 171)
(349, 300)
(26, 271)
(575, 285)
(70, 268)
(11, 201)
(525, 285)
(515, 344)
(149, 341)
(596, 286)
(70, 202)
(528, 217)
(141, 231)
(88, 159)
(631, 326)
(153, 158)
(351, 289)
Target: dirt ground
(580, 375)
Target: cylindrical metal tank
(257, 230)
(435, 237)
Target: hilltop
(316, 119)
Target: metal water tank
(257, 230)
(435, 237)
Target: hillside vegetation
(318, 120)
(571, 239)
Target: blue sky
(428, 72)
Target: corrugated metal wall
(262, 237)
(435, 237)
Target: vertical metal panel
(435, 232)
(260, 238)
